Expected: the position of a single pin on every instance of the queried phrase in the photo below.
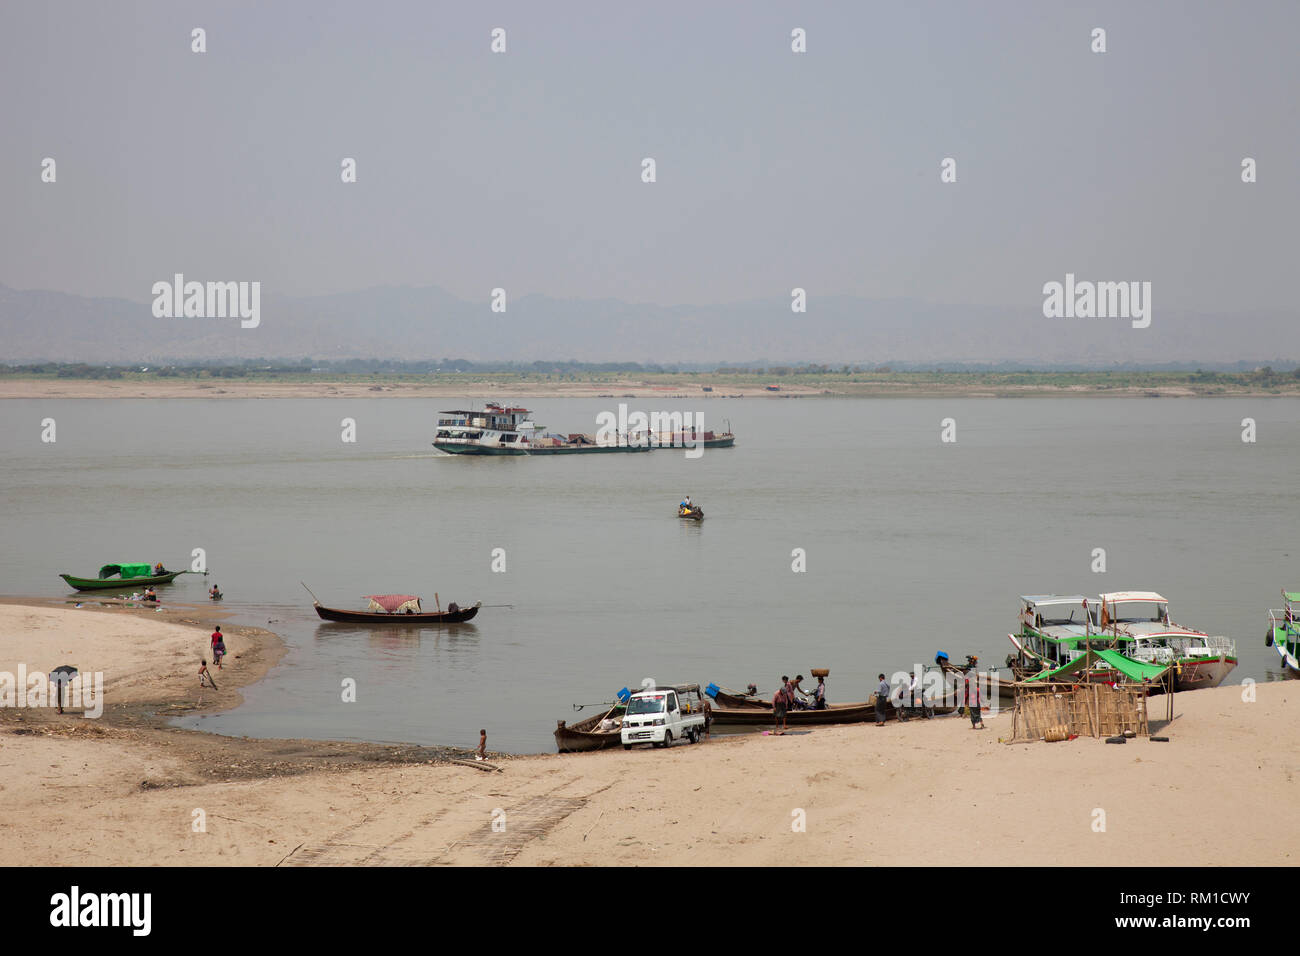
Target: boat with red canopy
(397, 609)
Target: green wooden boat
(122, 576)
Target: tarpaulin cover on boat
(126, 570)
(1135, 671)
(397, 603)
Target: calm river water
(912, 545)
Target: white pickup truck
(668, 712)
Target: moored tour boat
(1284, 632)
(1198, 659)
(1055, 629)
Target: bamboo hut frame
(1086, 708)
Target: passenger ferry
(497, 430)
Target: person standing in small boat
(819, 694)
(159, 570)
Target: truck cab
(662, 715)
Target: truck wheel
(668, 738)
(627, 746)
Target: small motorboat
(693, 513)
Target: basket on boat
(820, 672)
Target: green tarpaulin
(126, 570)
(1135, 671)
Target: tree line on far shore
(455, 369)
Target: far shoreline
(690, 388)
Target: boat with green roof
(123, 576)
(1056, 630)
(1284, 632)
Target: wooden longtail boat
(583, 736)
(725, 698)
(111, 576)
(691, 514)
(400, 609)
(732, 708)
(760, 713)
(408, 618)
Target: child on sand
(481, 753)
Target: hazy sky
(775, 169)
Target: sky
(522, 170)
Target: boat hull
(460, 448)
(1197, 675)
(119, 584)
(1286, 641)
(758, 715)
(581, 738)
(401, 620)
(735, 705)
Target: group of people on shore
(907, 698)
(791, 696)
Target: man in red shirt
(218, 646)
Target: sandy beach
(933, 793)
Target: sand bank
(928, 793)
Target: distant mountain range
(425, 323)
